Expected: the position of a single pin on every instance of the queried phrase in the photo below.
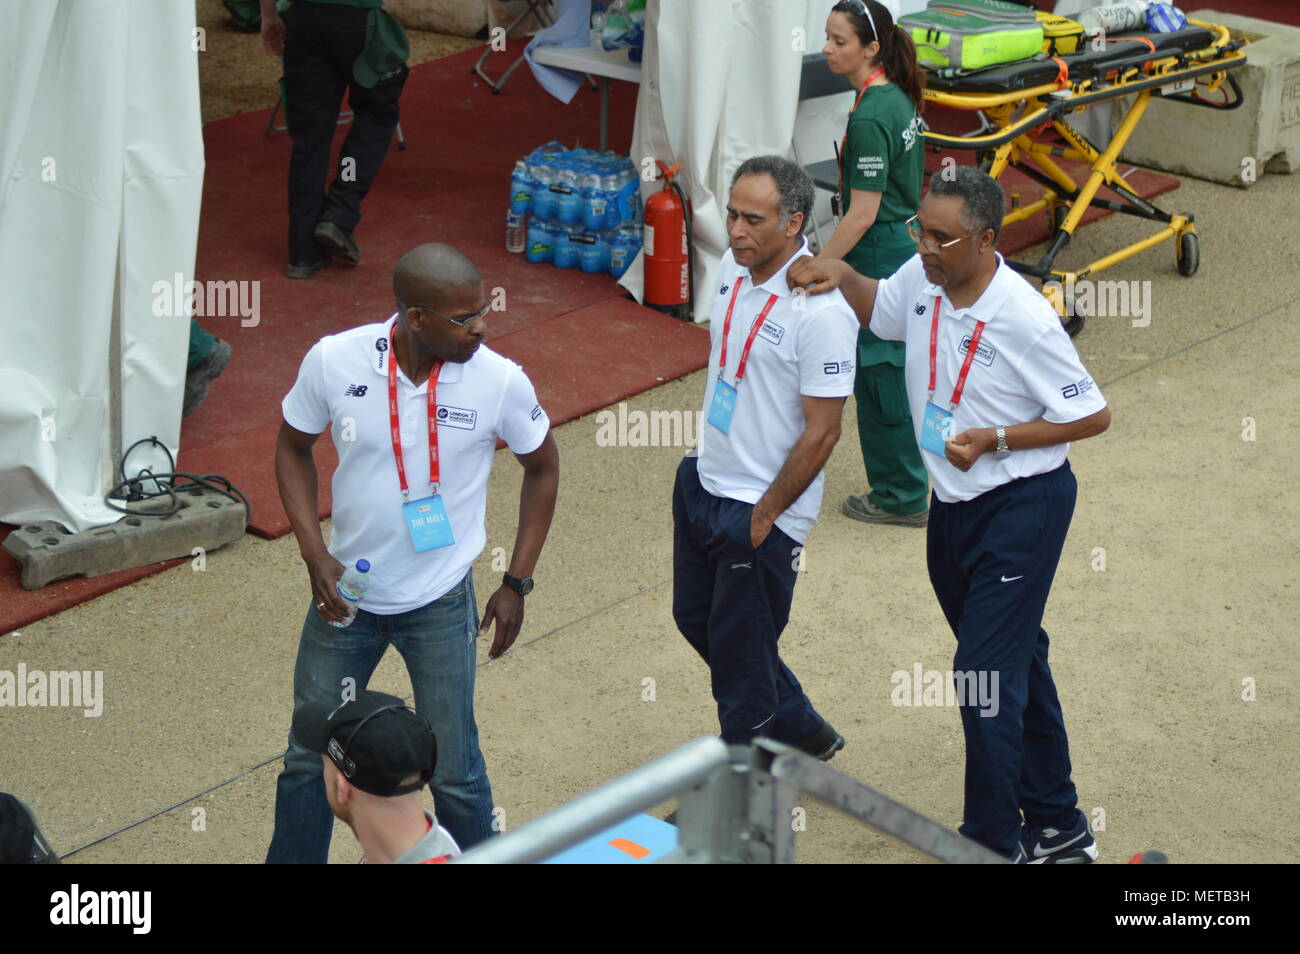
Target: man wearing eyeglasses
(416, 405)
(997, 394)
(377, 755)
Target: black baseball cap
(375, 740)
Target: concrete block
(1216, 144)
(47, 552)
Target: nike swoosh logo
(1040, 851)
(737, 566)
(1012, 579)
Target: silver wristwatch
(1002, 451)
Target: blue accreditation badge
(428, 523)
(936, 429)
(722, 406)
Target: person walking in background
(882, 168)
(331, 47)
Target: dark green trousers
(888, 440)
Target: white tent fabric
(720, 83)
(101, 165)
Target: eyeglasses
(861, 7)
(460, 321)
(929, 244)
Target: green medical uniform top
(884, 151)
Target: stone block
(1237, 146)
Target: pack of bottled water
(583, 208)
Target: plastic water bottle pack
(584, 208)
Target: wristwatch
(522, 587)
(1002, 451)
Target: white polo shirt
(343, 381)
(806, 346)
(1025, 368)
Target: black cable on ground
(132, 489)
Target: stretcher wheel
(1071, 320)
(1188, 252)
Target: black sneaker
(196, 381)
(1047, 845)
(338, 242)
(824, 743)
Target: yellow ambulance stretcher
(1022, 99)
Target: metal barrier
(735, 806)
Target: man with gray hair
(747, 496)
(416, 403)
(997, 393)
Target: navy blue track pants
(991, 562)
(731, 602)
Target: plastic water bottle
(1115, 17)
(597, 24)
(544, 200)
(516, 232)
(566, 252)
(540, 242)
(622, 249)
(617, 25)
(353, 586)
(569, 206)
(593, 213)
(521, 189)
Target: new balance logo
(356, 390)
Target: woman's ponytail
(901, 67)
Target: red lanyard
(394, 422)
(965, 365)
(878, 71)
(753, 333)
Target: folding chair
(536, 8)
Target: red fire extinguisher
(669, 269)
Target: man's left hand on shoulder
(964, 449)
(506, 608)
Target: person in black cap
(330, 46)
(378, 753)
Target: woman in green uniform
(882, 166)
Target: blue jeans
(437, 643)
